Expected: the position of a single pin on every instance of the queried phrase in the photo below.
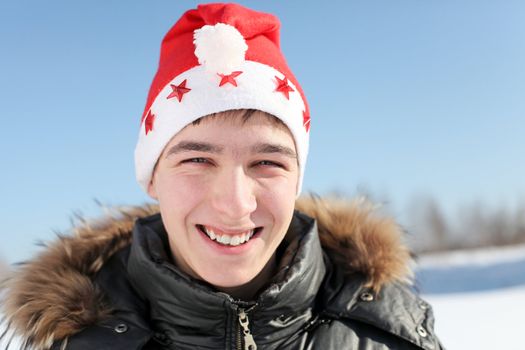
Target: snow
(478, 297)
(484, 256)
(480, 320)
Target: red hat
(219, 57)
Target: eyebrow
(274, 148)
(185, 146)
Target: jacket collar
(279, 311)
(52, 296)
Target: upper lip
(228, 231)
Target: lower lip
(228, 249)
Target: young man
(228, 263)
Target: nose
(233, 194)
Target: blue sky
(407, 98)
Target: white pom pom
(220, 48)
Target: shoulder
(367, 294)
(125, 326)
(393, 317)
(73, 285)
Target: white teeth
(229, 240)
(224, 239)
(236, 240)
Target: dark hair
(245, 114)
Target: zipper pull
(249, 343)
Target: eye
(195, 160)
(269, 163)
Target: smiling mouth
(229, 240)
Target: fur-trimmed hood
(53, 296)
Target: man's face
(226, 191)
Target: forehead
(236, 131)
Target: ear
(152, 191)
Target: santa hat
(219, 57)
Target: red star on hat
(230, 78)
(282, 86)
(306, 121)
(178, 90)
(150, 119)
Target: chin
(226, 278)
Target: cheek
(282, 191)
(176, 185)
(179, 194)
(279, 200)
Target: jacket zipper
(244, 336)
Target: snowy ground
(481, 320)
(478, 297)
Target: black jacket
(341, 284)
